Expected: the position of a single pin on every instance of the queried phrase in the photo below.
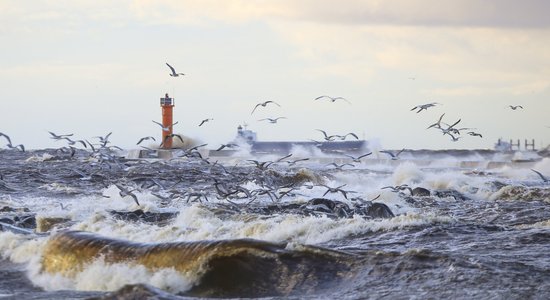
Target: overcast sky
(92, 67)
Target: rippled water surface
(97, 226)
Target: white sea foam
(101, 276)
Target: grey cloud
(474, 13)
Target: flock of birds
(450, 129)
(103, 151)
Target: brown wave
(227, 268)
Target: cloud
(462, 13)
(480, 59)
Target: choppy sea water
(79, 227)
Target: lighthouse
(167, 105)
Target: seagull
(167, 128)
(327, 137)
(293, 162)
(437, 124)
(146, 138)
(174, 74)
(546, 180)
(514, 107)
(272, 121)
(358, 158)
(262, 165)
(20, 147)
(60, 136)
(336, 190)
(393, 156)
(332, 99)
(339, 167)
(450, 128)
(71, 142)
(104, 140)
(424, 106)
(172, 136)
(263, 104)
(397, 189)
(125, 192)
(454, 138)
(227, 146)
(204, 121)
(6, 136)
(475, 134)
(343, 137)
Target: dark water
(483, 236)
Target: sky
(94, 67)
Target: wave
(224, 268)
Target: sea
(441, 224)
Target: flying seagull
(204, 121)
(541, 176)
(263, 104)
(167, 128)
(174, 74)
(475, 134)
(332, 99)
(393, 156)
(145, 138)
(272, 121)
(20, 147)
(6, 136)
(230, 145)
(438, 123)
(358, 158)
(60, 136)
(424, 106)
(514, 107)
(123, 192)
(174, 135)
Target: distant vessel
(285, 147)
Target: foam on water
(101, 276)
(196, 222)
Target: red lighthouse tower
(167, 105)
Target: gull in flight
(437, 124)
(343, 137)
(475, 134)
(263, 104)
(172, 136)
(340, 167)
(125, 192)
(204, 121)
(546, 180)
(167, 128)
(272, 121)
(424, 106)
(393, 156)
(174, 74)
(6, 137)
(146, 138)
(60, 136)
(514, 107)
(358, 158)
(327, 137)
(449, 129)
(336, 190)
(20, 147)
(227, 146)
(332, 99)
